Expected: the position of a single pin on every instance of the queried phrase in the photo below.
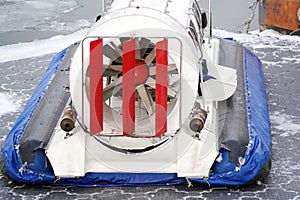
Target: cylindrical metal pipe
(198, 120)
(209, 21)
(68, 120)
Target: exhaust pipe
(198, 119)
(68, 120)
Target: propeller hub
(141, 72)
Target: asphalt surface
(281, 65)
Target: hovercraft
(145, 99)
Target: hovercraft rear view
(145, 99)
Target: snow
(287, 125)
(39, 47)
(40, 5)
(9, 103)
(16, 14)
(251, 36)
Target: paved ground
(281, 59)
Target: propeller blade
(109, 52)
(108, 71)
(112, 88)
(172, 69)
(145, 98)
(144, 44)
(115, 67)
(150, 57)
(152, 83)
(117, 49)
(138, 50)
(123, 39)
(171, 92)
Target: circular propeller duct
(147, 83)
(144, 85)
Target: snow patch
(39, 47)
(255, 35)
(40, 5)
(9, 103)
(287, 124)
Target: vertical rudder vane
(96, 86)
(128, 89)
(161, 93)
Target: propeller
(145, 74)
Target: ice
(287, 125)
(40, 4)
(39, 47)
(255, 36)
(15, 14)
(9, 103)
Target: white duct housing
(142, 22)
(177, 149)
